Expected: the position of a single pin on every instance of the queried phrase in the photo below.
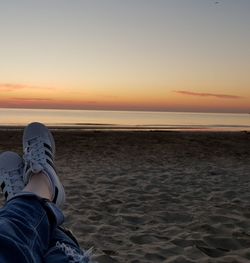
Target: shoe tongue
(33, 140)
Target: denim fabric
(27, 224)
(65, 249)
(30, 233)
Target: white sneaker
(39, 152)
(11, 174)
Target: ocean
(136, 120)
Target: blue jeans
(30, 233)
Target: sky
(151, 55)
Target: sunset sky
(166, 55)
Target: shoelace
(16, 182)
(13, 180)
(34, 155)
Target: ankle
(40, 185)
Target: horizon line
(127, 110)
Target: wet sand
(142, 197)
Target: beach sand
(155, 196)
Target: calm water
(126, 119)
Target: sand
(174, 197)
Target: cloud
(200, 94)
(31, 99)
(9, 87)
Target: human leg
(63, 246)
(27, 221)
(39, 152)
(40, 174)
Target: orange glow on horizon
(160, 104)
(25, 96)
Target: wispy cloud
(201, 94)
(32, 99)
(9, 87)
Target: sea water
(92, 119)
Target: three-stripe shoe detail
(4, 190)
(2, 185)
(49, 154)
(11, 174)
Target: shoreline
(132, 128)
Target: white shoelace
(13, 180)
(34, 156)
